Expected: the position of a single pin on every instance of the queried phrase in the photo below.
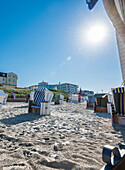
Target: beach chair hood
(42, 95)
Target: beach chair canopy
(100, 100)
(91, 99)
(110, 98)
(91, 3)
(59, 96)
(119, 100)
(31, 95)
(2, 92)
(42, 95)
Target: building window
(3, 79)
(3, 75)
(9, 75)
(3, 83)
(9, 79)
(9, 83)
(14, 76)
(14, 80)
(14, 84)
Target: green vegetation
(64, 93)
(21, 93)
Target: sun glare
(96, 33)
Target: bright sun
(96, 33)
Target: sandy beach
(72, 138)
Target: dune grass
(22, 93)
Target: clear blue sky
(46, 40)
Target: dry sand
(72, 138)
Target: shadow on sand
(104, 115)
(89, 108)
(120, 128)
(26, 117)
(21, 107)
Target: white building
(71, 88)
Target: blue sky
(46, 40)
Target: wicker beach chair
(58, 99)
(41, 101)
(118, 109)
(91, 101)
(3, 97)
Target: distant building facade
(8, 80)
(71, 88)
(43, 83)
(32, 87)
(87, 92)
(46, 85)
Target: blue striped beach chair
(41, 98)
(42, 95)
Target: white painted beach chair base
(45, 109)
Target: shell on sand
(72, 137)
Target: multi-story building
(43, 83)
(8, 79)
(71, 88)
(46, 85)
